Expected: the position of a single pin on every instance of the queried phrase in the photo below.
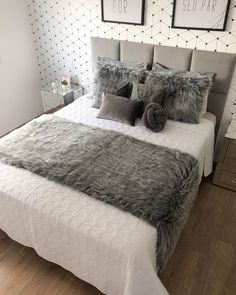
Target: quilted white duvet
(100, 244)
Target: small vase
(64, 88)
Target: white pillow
(205, 101)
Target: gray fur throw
(185, 92)
(151, 182)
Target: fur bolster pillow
(155, 117)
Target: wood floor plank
(204, 262)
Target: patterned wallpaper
(62, 29)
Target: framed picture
(210, 15)
(123, 11)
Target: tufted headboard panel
(178, 58)
(173, 57)
(136, 52)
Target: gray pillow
(105, 60)
(147, 93)
(184, 92)
(119, 109)
(156, 67)
(110, 78)
(155, 117)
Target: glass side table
(54, 98)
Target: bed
(107, 247)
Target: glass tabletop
(59, 90)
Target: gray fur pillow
(119, 109)
(111, 78)
(184, 92)
(146, 94)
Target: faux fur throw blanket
(153, 183)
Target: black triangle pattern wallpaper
(62, 29)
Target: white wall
(62, 31)
(20, 99)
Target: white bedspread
(102, 245)
(195, 139)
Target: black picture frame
(141, 23)
(200, 28)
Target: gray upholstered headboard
(176, 58)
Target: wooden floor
(204, 262)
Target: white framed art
(123, 11)
(208, 15)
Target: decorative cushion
(119, 109)
(147, 93)
(110, 79)
(157, 66)
(155, 117)
(113, 62)
(185, 92)
(123, 91)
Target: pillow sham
(119, 109)
(184, 92)
(110, 78)
(146, 94)
(159, 67)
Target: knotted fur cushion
(155, 117)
